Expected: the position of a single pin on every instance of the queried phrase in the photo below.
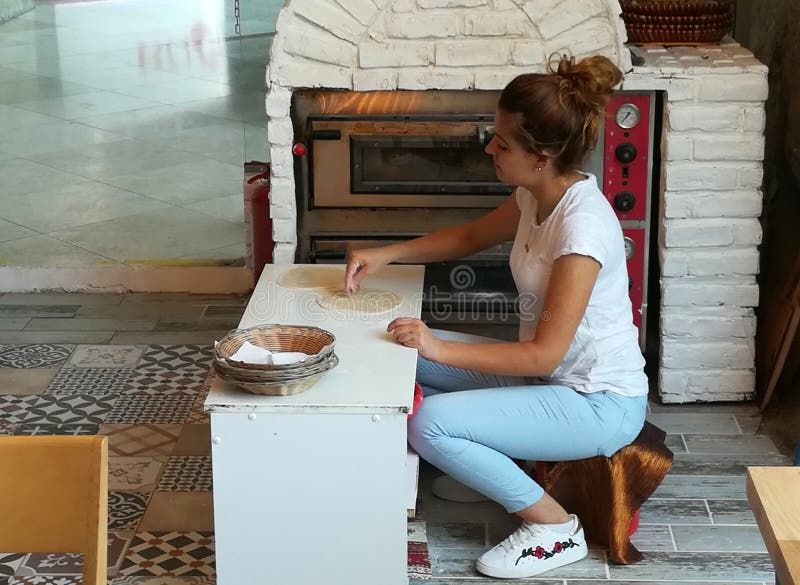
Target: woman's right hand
(362, 263)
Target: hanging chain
(238, 26)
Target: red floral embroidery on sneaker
(540, 553)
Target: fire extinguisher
(259, 231)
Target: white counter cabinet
(313, 489)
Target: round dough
(331, 278)
(365, 300)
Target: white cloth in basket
(252, 354)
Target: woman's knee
(428, 422)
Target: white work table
(314, 487)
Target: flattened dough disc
(313, 277)
(365, 300)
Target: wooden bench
(607, 492)
(774, 495)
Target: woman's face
(512, 162)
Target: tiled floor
(132, 367)
(129, 118)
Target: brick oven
(706, 206)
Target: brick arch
(435, 44)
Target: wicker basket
(271, 383)
(676, 7)
(315, 342)
(673, 22)
(250, 375)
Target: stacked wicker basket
(677, 22)
(277, 380)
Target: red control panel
(627, 164)
(626, 155)
(635, 251)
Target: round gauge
(630, 248)
(628, 116)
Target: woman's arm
(496, 227)
(571, 282)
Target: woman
(573, 386)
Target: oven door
(476, 289)
(414, 161)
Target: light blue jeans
(472, 425)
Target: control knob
(625, 153)
(624, 201)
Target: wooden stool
(607, 492)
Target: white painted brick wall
(329, 16)
(713, 142)
(472, 52)
(705, 385)
(528, 53)
(683, 117)
(395, 54)
(698, 291)
(693, 176)
(730, 353)
(306, 40)
(710, 262)
(494, 24)
(440, 78)
(729, 146)
(678, 146)
(283, 253)
(567, 15)
(422, 25)
(709, 323)
(374, 79)
(741, 88)
(712, 204)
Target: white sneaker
(533, 549)
(447, 488)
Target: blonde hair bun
(591, 80)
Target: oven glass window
(422, 164)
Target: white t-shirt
(604, 354)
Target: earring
(539, 168)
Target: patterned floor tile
(106, 356)
(118, 542)
(27, 381)
(125, 509)
(14, 409)
(198, 415)
(188, 357)
(165, 580)
(134, 474)
(51, 564)
(170, 553)
(70, 409)
(143, 439)
(9, 563)
(186, 474)
(51, 429)
(89, 381)
(195, 439)
(163, 382)
(184, 511)
(47, 580)
(151, 409)
(38, 355)
(7, 428)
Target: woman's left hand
(414, 333)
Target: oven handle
(337, 254)
(326, 135)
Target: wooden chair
(607, 492)
(54, 498)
